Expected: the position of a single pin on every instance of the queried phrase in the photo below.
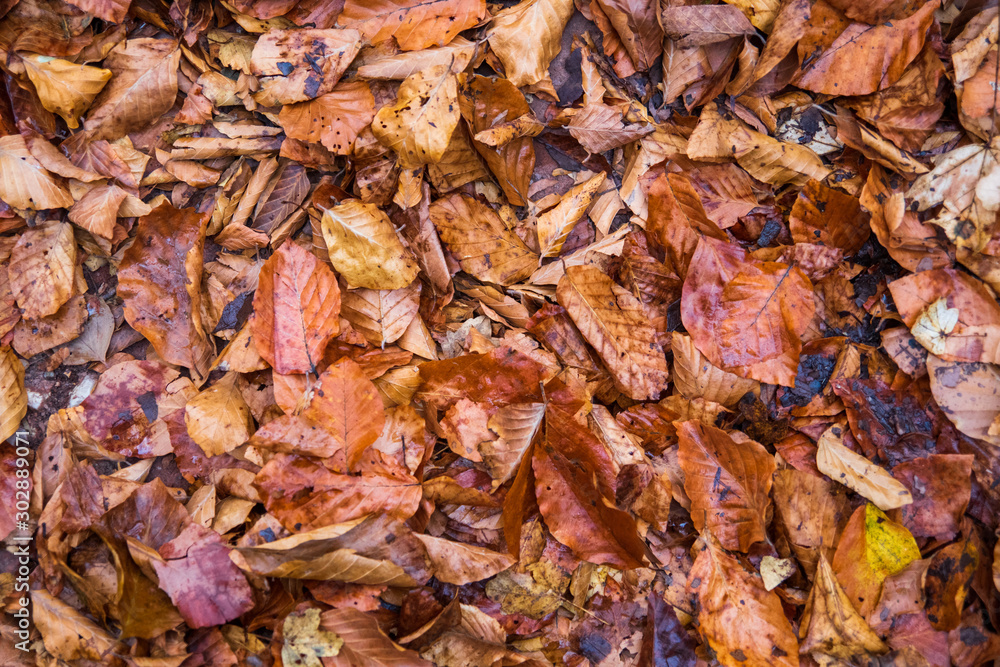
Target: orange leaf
(574, 482)
(295, 310)
(728, 483)
(746, 316)
(348, 406)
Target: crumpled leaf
(831, 625)
(64, 87)
(41, 269)
(334, 119)
(218, 418)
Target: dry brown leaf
(26, 184)
(420, 124)
(364, 248)
(143, 88)
(218, 418)
(517, 426)
(333, 119)
(599, 127)
(382, 316)
(527, 37)
(64, 87)
(696, 377)
(13, 399)
(856, 472)
(398, 66)
(832, 626)
(743, 623)
(299, 65)
(812, 510)
(42, 269)
(554, 226)
(477, 237)
(347, 405)
(460, 564)
(97, 211)
(414, 24)
(615, 324)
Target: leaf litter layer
(591, 333)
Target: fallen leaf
(364, 247)
(13, 399)
(614, 323)
(160, 283)
(742, 622)
(295, 310)
(746, 316)
(856, 472)
(728, 484)
(831, 625)
(413, 24)
(871, 548)
(26, 184)
(218, 418)
(420, 124)
(305, 642)
(526, 38)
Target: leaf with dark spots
(665, 642)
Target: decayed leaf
(824, 215)
(347, 405)
(975, 333)
(160, 282)
(364, 247)
(13, 399)
(420, 124)
(143, 86)
(477, 237)
(968, 394)
(831, 625)
(67, 633)
(333, 119)
(218, 418)
(526, 38)
(64, 87)
(26, 184)
(743, 623)
(299, 65)
(114, 11)
(615, 324)
(41, 269)
(728, 483)
(305, 642)
(573, 484)
(412, 23)
(696, 377)
(599, 128)
(555, 224)
(295, 310)
(871, 548)
(964, 181)
(745, 316)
